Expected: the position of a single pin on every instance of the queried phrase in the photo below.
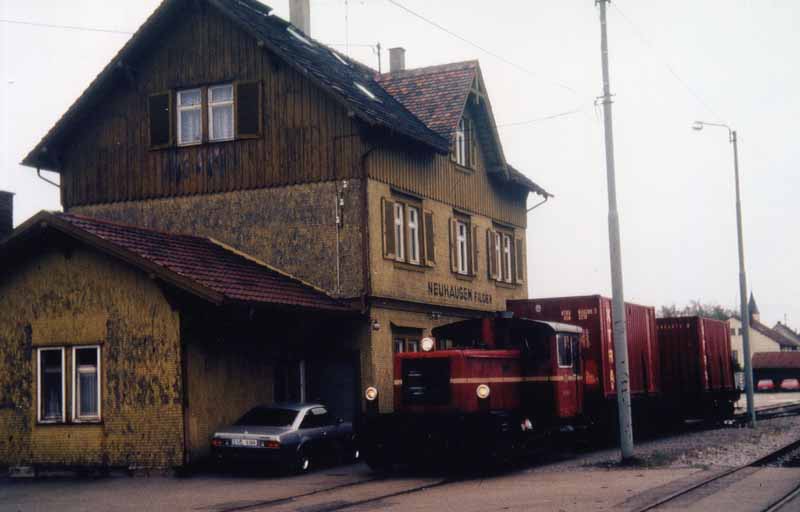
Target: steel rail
(757, 462)
(789, 497)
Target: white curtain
(222, 122)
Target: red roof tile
(764, 360)
(204, 262)
(436, 94)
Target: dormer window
(464, 147)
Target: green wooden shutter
(389, 250)
(430, 250)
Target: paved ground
(585, 482)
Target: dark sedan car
(286, 436)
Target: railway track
(790, 498)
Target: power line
(638, 33)
(67, 27)
(542, 119)
(479, 47)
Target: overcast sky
(732, 61)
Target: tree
(697, 308)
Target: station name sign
(457, 292)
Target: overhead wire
(66, 27)
(646, 42)
(479, 47)
(542, 119)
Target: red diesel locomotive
(496, 385)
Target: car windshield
(268, 417)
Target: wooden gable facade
(305, 135)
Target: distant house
(762, 337)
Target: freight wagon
(593, 314)
(546, 365)
(696, 367)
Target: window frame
(508, 248)
(461, 143)
(211, 104)
(462, 242)
(408, 343)
(76, 417)
(399, 231)
(39, 418)
(569, 342)
(180, 109)
(413, 231)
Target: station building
(249, 217)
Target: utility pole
(743, 304)
(618, 296)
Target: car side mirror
(339, 421)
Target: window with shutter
(248, 110)
(520, 261)
(491, 256)
(160, 115)
(430, 252)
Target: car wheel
(303, 461)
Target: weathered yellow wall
(224, 380)
(292, 228)
(66, 299)
(389, 279)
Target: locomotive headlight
(483, 391)
(428, 344)
(371, 394)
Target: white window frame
(189, 108)
(223, 103)
(507, 248)
(75, 416)
(413, 234)
(412, 345)
(39, 418)
(461, 146)
(462, 247)
(399, 231)
(498, 253)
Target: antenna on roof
(377, 51)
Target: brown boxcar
(696, 365)
(593, 314)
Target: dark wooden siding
(307, 136)
(437, 177)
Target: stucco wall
(292, 228)
(758, 342)
(389, 279)
(79, 297)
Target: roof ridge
(448, 66)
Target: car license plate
(245, 442)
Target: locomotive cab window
(565, 345)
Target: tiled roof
(319, 63)
(201, 265)
(435, 94)
(769, 360)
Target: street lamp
(744, 310)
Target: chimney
(300, 15)
(397, 59)
(6, 214)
